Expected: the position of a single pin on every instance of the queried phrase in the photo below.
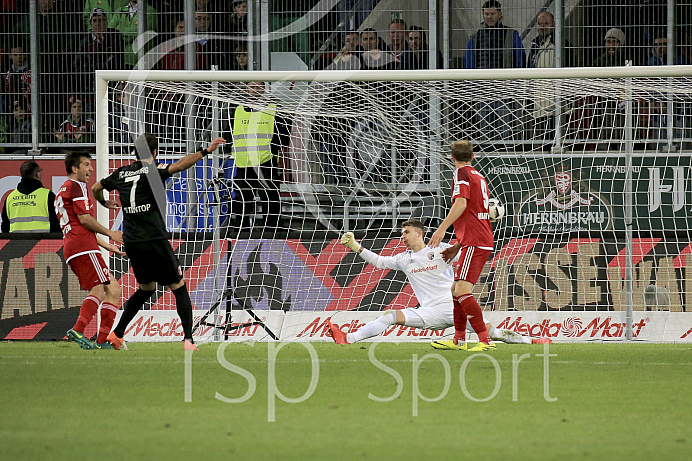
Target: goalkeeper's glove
(349, 241)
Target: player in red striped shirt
(471, 219)
(82, 253)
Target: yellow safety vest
(252, 136)
(28, 212)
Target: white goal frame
(104, 77)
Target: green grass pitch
(614, 401)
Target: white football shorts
(436, 317)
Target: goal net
(592, 166)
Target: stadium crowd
(77, 37)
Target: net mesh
(365, 156)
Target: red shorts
(91, 270)
(470, 263)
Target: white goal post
(593, 166)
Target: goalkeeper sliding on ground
(431, 278)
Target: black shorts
(154, 261)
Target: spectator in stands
(640, 21)
(659, 50)
(257, 136)
(206, 45)
(100, 49)
(351, 17)
(495, 45)
(373, 56)
(126, 22)
(614, 54)
(349, 56)
(30, 207)
(19, 130)
(240, 57)
(174, 51)
(237, 22)
(109, 6)
(542, 52)
(213, 51)
(397, 39)
(370, 40)
(599, 16)
(76, 128)
(416, 57)
(17, 77)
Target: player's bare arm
(93, 225)
(190, 159)
(448, 254)
(97, 190)
(112, 248)
(458, 208)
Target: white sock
(495, 333)
(373, 328)
(510, 338)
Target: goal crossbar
(385, 75)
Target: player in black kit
(141, 190)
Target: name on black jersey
(125, 173)
(137, 209)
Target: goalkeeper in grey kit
(140, 186)
(431, 277)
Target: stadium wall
(280, 278)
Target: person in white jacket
(431, 277)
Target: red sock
(459, 322)
(475, 316)
(87, 312)
(108, 311)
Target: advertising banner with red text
(560, 327)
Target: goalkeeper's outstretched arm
(381, 262)
(349, 240)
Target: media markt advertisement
(563, 327)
